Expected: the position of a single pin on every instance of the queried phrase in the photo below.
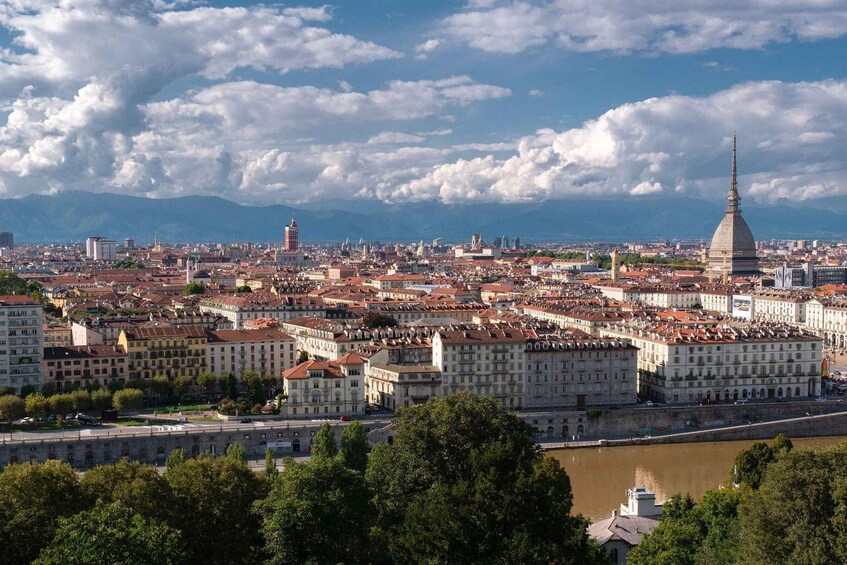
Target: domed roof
(733, 236)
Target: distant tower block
(476, 241)
(292, 242)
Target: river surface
(600, 476)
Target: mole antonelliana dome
(733, 249)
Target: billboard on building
(742, 307)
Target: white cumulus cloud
(644, 25)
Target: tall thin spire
(733, 197)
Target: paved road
(191, 427)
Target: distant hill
(74, 215)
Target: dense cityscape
(199, 349)
(487, 282)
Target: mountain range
(73, 215)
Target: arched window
(613, 555)
(797, 391)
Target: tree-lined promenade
(462, 482)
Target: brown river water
(601, 475)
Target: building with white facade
(239, 308)
(21, 342)
(325, 388)
(268, 352)
(708, 360)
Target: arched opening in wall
(160, 454)
(550, 432)
(580, 430)
(613, 556)
(142, 454)
(762, 393)
(797, 391)
(735, 394)
(70, 459)
(744, 393)
(89, 458)
(195, 450)
(779, 392)
(565, 431)
(390, 440)
(125, 454)
(295, 445)
(788, 392)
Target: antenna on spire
(734, 182)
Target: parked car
(649, 403)
(345, 418)
(27, 420)
(741, 401)
(246, 420)
(182, 420)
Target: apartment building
(325, 388)
(21, 342)
(721, 360)
(80, 366)
(574, 370)
(484, 362)
(268, 351)
(254, 306)
(168, 350)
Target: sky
(423, 100)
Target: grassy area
(138, 421)
(184, 408)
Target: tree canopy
(378, 320)
(111, 533)
(464, 482)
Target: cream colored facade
(396, 386)
(268, 352)
(482, 362)
(734, 367)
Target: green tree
(254, 388)
(176, 458)
(378, 320)
(181, 385)
(237, 452)
(674, 542)
(49, 389)
(208, 382)
(799, 513)
(194, 288)
(271, 471)
(136, 486)
(161, 386)
(324, 445)
(128, 263)
(231, 386)
(750, 464)
(111, 533)
(302, 357)
(82, 400)
(781, 446)
(128, 399)
(11, 408)
(243, 289)
(26, 390)
(37, 405)
(464, 482)
(115, 385)
(354, 447)
(32, 499)
(10, 283)
(316, 512)
(61, 404)
(101, 400)
(211, 504)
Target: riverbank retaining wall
(602, 423)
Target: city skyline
(455, 103)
